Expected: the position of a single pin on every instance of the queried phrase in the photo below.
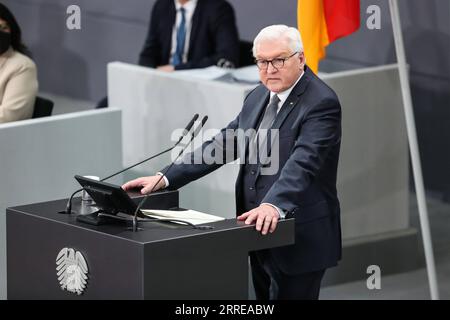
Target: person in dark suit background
(304, 115)
(187, 34)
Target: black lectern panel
(53, 256)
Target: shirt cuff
(282, 213)
(166, 181)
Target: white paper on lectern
(247, 74)
(209, 73)
(192, 216)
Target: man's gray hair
(278, 31)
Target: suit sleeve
(320, 132)
(225, 38)
(222, 146)
(150, 54)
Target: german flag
(323, 21)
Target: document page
(192, 216)
(209, 73)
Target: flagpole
(414, 148)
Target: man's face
(282, 78)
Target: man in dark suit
(304, 118)
(187, 34)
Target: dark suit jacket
(309, 126)
(214, 35)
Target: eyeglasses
(277, 63)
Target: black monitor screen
(109, 197)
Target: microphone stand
(185, 132)
(141, 203)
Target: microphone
(226, 64)
(185, 132)
(141, 203)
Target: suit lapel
(195, 25)
(291, 102)
(255, 114)
(168, 29)
(258, 110)
(250, 122)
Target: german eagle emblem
(71, 270)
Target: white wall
(39, 157)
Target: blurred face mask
(5, 41)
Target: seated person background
(18, 76)
(188, 34)
(206, 36)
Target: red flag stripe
(342, 17)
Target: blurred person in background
(188, 34)
(18, 75)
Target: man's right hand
(146, 183)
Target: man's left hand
(266, 218)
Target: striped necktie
(181, 39)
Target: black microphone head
(190, 124)
(199, 127)
(188, 128)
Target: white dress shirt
(190, 8)
(284, 95)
